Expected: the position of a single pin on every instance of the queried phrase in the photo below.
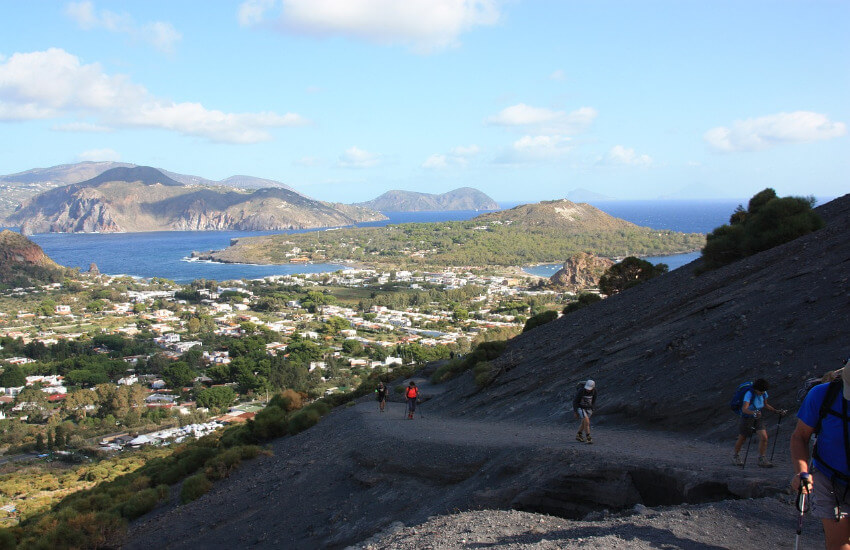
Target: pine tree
(39, 443)
(51, 445)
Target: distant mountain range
(19, 206)
(465, 198)
(139, 198)
(15, 189)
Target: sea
(167, 254)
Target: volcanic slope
(666, 355)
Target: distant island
(534, 233)
(465, 198)
(18, 188)
(139, 198)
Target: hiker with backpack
(752, 398)
(381, 393)
(412, 394)
(827, 484)
(583, 404)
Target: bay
(165, 253)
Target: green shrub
(268, 424)
(768, 221)
(484, 351)
(483, 373)
(303, 419)
(540, 319)
(194, 487)
(140, 503)
(7, 540)
(628, 273)
(163, 492)
(220, 466)
(584, 299)
(236, 435)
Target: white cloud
(756, 134)
(53, 84)
(466, 151)
(81, 127)
(309, 162)
(436, 162)
(423, 25)
(358, 158)
(161, 35)
(253, 12)
(558, 75)
(458, 156)
(535, 149)
(99, 155)
(546, 121)
(619, 155)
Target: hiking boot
(410, 416)
(736, 460)
(589, 440)
(764, 462)
(580, 437)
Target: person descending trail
(583, 404)
(753, 399)
(827, 484)
(412, 395)
(381, 393)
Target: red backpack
(412, 392)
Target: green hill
(535, 233)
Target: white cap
(590, 384)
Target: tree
(39, 443)
(768, 221)
(217, 397)
(47, 307)
(352, 347)
(336, 324)
(628, 273)
(76, 403)
(12, 377)
(178, 375)
(194, 325)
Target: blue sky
(525, 100)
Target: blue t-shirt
(755, 400)
(831, 436)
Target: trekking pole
(778, 422)
(419, 403)
(801, 507)
(749, 442)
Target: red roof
(54, 397)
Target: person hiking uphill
(583, 404)
(381, 392)
(827, 484)
(412, 395)
(752, 422)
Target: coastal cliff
(131, 199)
(22, 262)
